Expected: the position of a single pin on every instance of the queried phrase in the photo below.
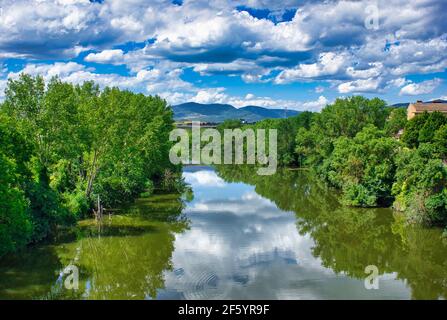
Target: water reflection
(242, 236)
(244, 243)
(345, 240)
(124, 257)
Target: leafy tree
(363, 167)
(15, 220)
(433, 122)
(396, 121)
(229, 124)
(343, 118)
(420, 186)
(346, 117)
(15, 224)
(440, 141)
(63, 146)
(422, 128)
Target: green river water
(243, 236)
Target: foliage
(15, 224)
(78, 143)
(344, 118)
(396, 121)
(420, 186)
(351, 144)
(363, 167)
(286, 143)
(229, 124)
(422, 128)
(440, 141)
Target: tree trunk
(92, 176)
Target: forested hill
(219, 112)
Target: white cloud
(329, 63)
(106, 56)
(361, 85)
(373, 70)
(214, 95)
(316, 105)
(204, 178)
(2, 89)
(423, 87)
(399, 82)
(153, 81)
(325, 40)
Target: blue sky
(298, 54)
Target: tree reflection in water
(123, 257)
(348, 239)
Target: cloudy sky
(298, 54)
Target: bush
(15, 225)
(363, 167)
(421, 179)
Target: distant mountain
(219, 112)
(400, 105)
(269, 113)
(405, 104)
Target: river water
(241, 236)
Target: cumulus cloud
(213, 31)
(2, 89)
(359, 86)
(106, 56)
(316, 105)
(423, 87)
(399, 82)
(328, 64)
(204, 178)
(153, 81)
(320, 40)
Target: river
(241, 236)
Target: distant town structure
(420, 107)
(188, 124)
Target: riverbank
(242, 236)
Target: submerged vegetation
(64, 146)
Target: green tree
(422, 128)
(440, 141)
(15, 220)
(363, 167)
(344, 118)
(15, 224)
(420, 186)
(396, 121)
(433, 122)
(63, 146)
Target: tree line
(347, 239)
(355, 146)
(64, 146)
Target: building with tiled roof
(421, 107)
